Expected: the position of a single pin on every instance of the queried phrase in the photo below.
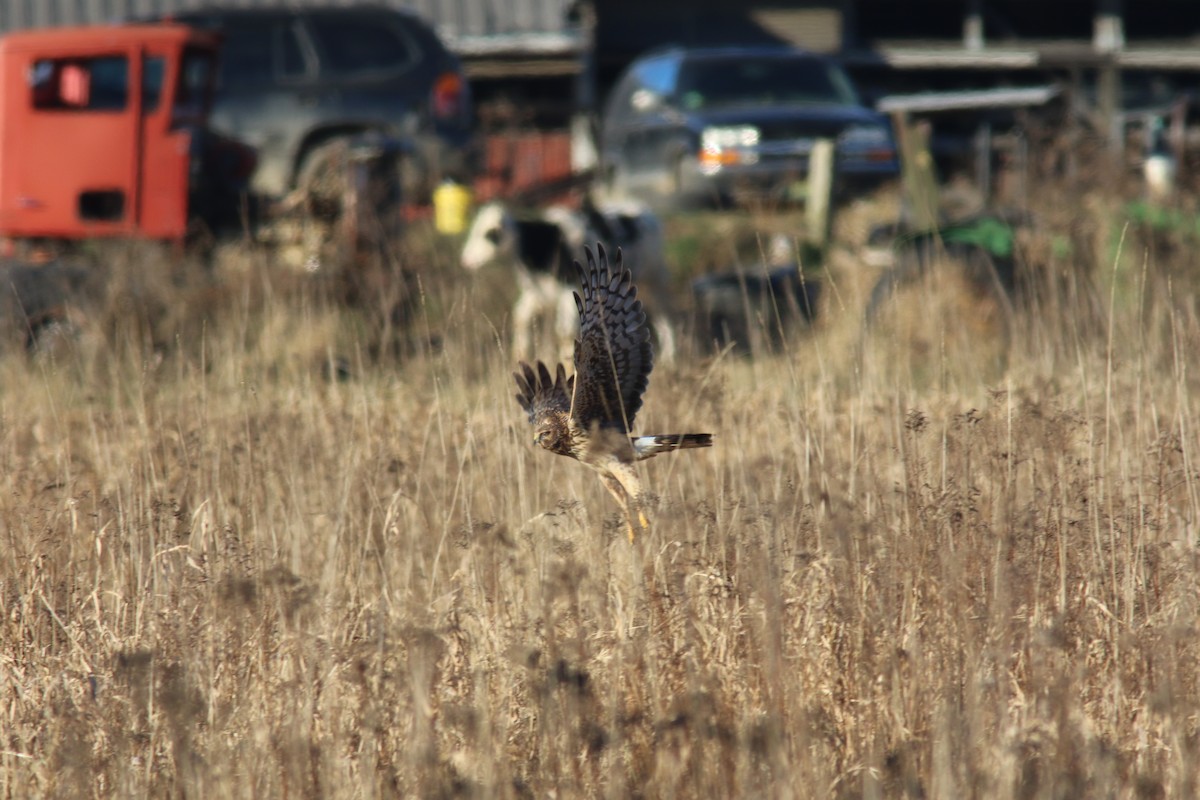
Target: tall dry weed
(229, 572)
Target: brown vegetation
(223, 574)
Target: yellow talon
(642, 520)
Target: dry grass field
(907, 569)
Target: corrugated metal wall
(625, 28)
(454, 19)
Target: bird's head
(551, 435)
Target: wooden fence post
(819, 203)
(916, 167)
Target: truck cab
(105, 134)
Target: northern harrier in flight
(589, 415)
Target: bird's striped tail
(647, 446)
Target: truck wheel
(323, 178)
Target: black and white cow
(541, 250)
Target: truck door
(77, 174)
(175, 84)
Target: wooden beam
(1108, 26)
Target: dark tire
(323, 176)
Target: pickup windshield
(722, 82)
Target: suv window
(259, 51)
(349, 45)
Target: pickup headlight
(721, 138)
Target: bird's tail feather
(647, 446)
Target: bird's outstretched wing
(613, 357)
(539, 394)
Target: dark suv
(293, 80)
(685, 126)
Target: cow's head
(493, 234)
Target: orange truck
(104, 133)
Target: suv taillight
(449, 97)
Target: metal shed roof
(470, 27)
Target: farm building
(534, 52)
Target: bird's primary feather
(613, 355)
(539, 395)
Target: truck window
(154, 72)
(195, 77)
(80, 84)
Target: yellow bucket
(451, 206)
